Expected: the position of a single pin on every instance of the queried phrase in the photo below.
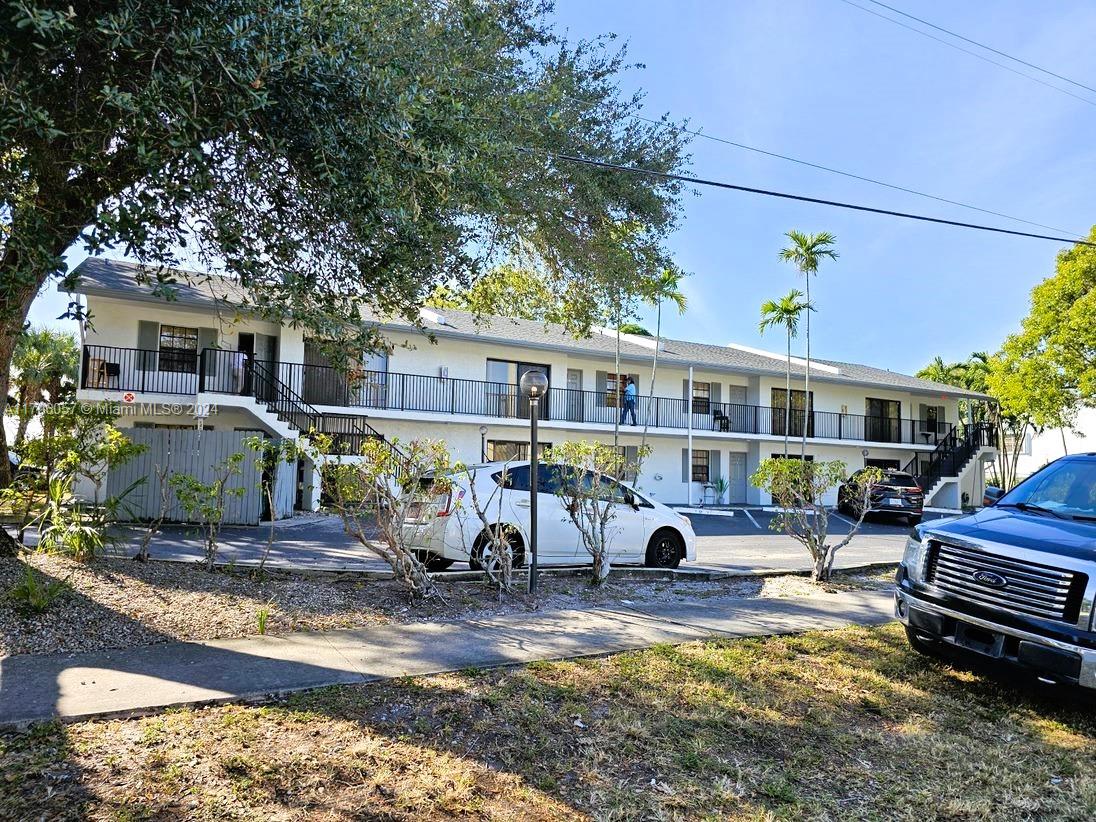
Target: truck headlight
(914, 557)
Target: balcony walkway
(215, 371)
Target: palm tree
(785, 313)
(805, 252)
(953, 373)
(667, 286)
(44, 360)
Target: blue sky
(825, 82)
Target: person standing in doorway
(629, 402)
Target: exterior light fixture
(534, 386)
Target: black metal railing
(232, 372)
(396, 391)
(136, 369)
(952, 454)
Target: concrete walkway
(72, 686)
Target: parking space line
(749, 516)
(843, 519)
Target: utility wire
(982, 57)
(983, 46)
(665, 175)
(819, 166)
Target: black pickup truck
(1015, 581)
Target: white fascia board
(782, 358)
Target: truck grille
(1010, 584)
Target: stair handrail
(303, 408)
(954, 448)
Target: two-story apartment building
(715, 411)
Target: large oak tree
(334, 155)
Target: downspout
(689, 460)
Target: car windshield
(1066, 488)
(899, 481)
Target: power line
(799, 197)
(819, 166)
(981, 57)
(984, 46)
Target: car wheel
(922, 646)
(482, 555)
(432, 561)
(913, 519)
(664, 550)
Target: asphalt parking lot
(742, 543)
(753, 521)
(745, 542)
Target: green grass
(828, 725)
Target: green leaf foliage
(1047, 370)
(335, 157)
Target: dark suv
(898, 493)
(1014, 582)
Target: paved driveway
(745, 542)
(740, 543)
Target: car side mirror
(992, 494)
(630, 499)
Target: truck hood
(1035, 532)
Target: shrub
(32, 595)
(800, 487)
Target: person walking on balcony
(629, 402)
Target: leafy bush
(205, 502)
(800, 487)
(33, 595)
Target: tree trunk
(806, 376)
(7, 351)
(619, 396)
(788, 394)
(651, 393)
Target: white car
(448, 529)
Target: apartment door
(739, 415)
(245, 344)
(575, 395)
(883, 420)
(736, 477)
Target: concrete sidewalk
(72, 686)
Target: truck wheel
(664, 550)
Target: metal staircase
(951, 457)
(224, 372)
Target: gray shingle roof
(116, 278)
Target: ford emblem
(990, 578)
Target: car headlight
(688, 523)
(913, 558)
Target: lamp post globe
(534, 385)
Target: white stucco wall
(1049, 445)
(115, 323)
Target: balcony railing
(325, 386)
(230, 372)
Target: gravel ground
(121, 603)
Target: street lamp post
(483, 443)
(534, 384)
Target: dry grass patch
(119, 603)
(828, 725)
